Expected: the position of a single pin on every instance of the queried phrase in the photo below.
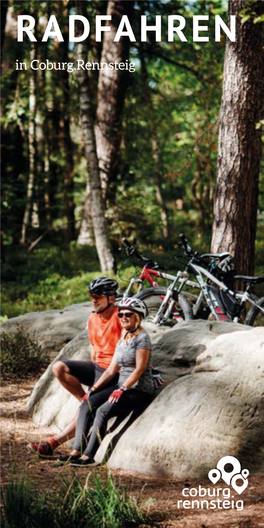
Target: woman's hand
(87, 395)
(115, 396)
(157, 378)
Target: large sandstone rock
(51, 404)
(52, 328)
(182, 344)
(215, 411)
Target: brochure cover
(132, 197)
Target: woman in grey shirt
(135, 389)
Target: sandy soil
(158, 497)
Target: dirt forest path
(159, 497)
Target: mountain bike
(224, 304)
(179, 281)
(181, 309)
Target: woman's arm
(107, 375)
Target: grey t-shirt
(125, 356)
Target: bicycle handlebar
(127, 244)
(131, 250)
(188, 249)
(201, 260)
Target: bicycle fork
(168, 306)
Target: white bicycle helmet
(135, 305)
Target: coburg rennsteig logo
(229, 470)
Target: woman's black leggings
(100, 412)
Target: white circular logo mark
(230, 477)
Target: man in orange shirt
(104, 330)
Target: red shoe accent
(54, 443)
(44, 449)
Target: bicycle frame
(168, 302)
(217, 309)
(147, 275)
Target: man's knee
(59, 369)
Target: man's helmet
(135, 305)
(103, 286)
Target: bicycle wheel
(153, 298)
(255, 317)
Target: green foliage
(53, 279)
(54, 292)
(252, 11)
(20, 354)
(97, 503)
(169, 133)
(50, 277)
(184, 82)
(22, 507)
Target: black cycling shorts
(88, 372)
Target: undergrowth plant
(22, 507)
(97, 503)
(20, 354)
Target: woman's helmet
(103, 286)
(135, 305)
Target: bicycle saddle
(252, 280)
(220, 256)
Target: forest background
(89, 157)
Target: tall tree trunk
(86, 233)
(86, 236)
(47, 180)
(68, 183)
(239, 150)
(102, 241)
(47, 139)
(158, 185)
(4, 8)
(155, 153)
(32, 146)
(111, 94)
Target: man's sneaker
(82, 462)
(44, 449)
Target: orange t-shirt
(104, 335)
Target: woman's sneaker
(82, 462)
(67, 458)
(43, 449)
(64, 459)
